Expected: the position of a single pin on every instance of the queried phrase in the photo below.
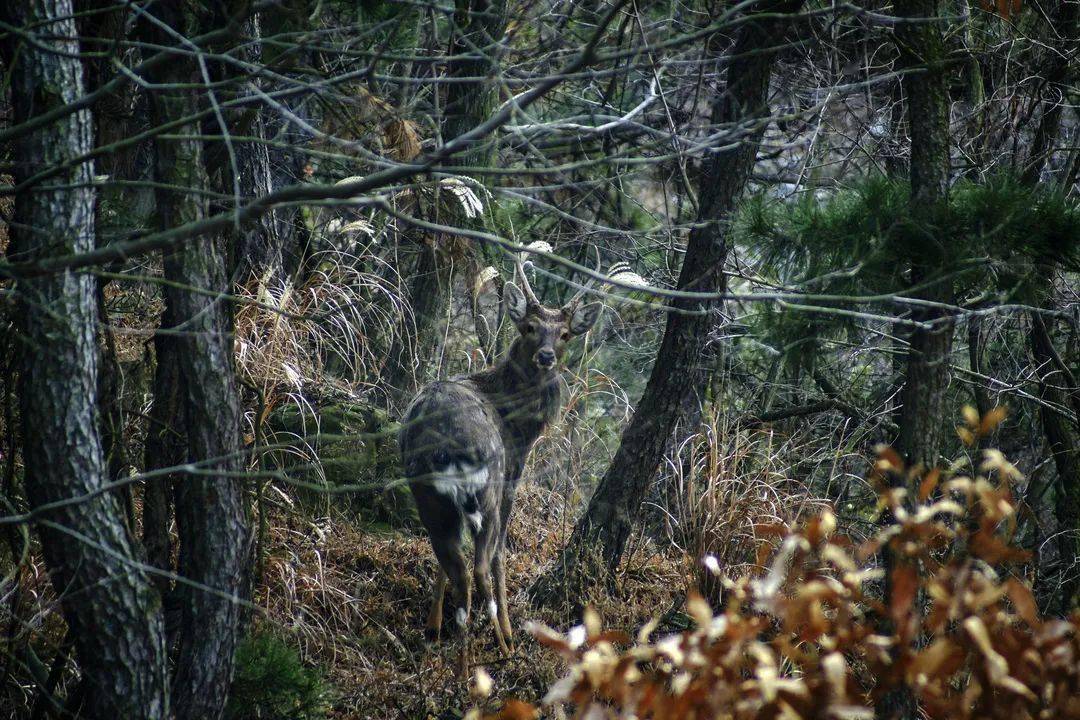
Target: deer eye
(564, 335)
(530, 327)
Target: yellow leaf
(992, 419)
(698, 609)
(482, 684)
(591, 619)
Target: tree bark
(165, 443)
(481, 25)
(921, 420)
(108, 601)
(211, 518)
(599, 539)
(921, 45)
(1057, 384)
(268, 247)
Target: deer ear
(515, 302)
(584, 317)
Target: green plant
(272, 682)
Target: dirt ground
(355, 601)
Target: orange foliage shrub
(812, 638)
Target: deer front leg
(498, 571)
(485, 546)
(499, 568)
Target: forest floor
(354, 599)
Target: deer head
(544, 331)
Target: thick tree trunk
(921, 46)
(210, 513)
(602, 533)
(117, 211)
(109, 603)
(926, 380)
(480, 28)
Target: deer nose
(545, 358)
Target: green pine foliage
(865, 239)
(272, 682)
(989, 241)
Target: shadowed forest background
(819, 457)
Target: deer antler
(519, 268)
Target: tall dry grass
(727, 488)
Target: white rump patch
(493, 610)
(459, 482)
(461, 616)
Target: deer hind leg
(452, 560)
(433, 626)
(452, 563)
(486, 540)
(499, 567)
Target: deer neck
(526, 397)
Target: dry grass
(727, 487)
(33, 630)
(286, 334)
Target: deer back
(452, 449)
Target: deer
(464, 442)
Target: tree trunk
(108, 601)
(165, 443)
(480, 25)
(210, 514)
(1057, 385)
(599, 539)
(921, 418)
(117, 211)
(1062, 582)
(266, 248)
(1055, 78)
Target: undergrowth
(355, 598)
(271, 682)
(957, 629)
